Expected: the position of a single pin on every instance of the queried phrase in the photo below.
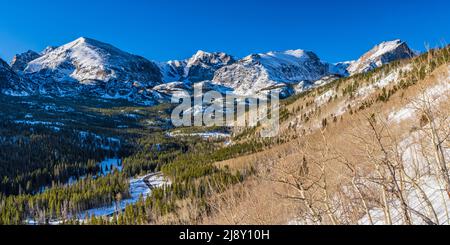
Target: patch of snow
(204, 135)
(401, 115)
(419, 168)
(109, 165)
(325, 97)
(132, 116)
(27, 122)
(341, 109)
(365, 91)
(438, 93)
(54, 108)
(15, 93)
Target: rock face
(20, 61)
(199, 67)
(381, 54)
(259, 72)
(203, 65)
(100, 67)
(12, 83)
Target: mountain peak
(89, 42)
(200, 53)
(86, 61)
(80, 41)
(287, 57)
(12, 83)
(381, 54)
(20, 61)
(280, 69)
(200, 67)
(386, 46)
(295, 52)
(86, 40)
(395, 41)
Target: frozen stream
(141, 186)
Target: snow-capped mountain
(259, 72)
(85, 62)
(20, 61)
(381, 54)
(199, 67)
(12, 83)
(89, 67)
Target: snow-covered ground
(423, 170)
(138, 188)
(435, 94)
(365, 91)
(14, 93)
(325, 97)
(29, 122)
(424, 173)
(109, 165)
(204, 135)
(402, 114)
(54, 108)
(55, 126)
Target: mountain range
(93, 68)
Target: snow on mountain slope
(203, 65)
(91, 67)
(12, 83)
(48, 49)
(297, 70)
(20, 61)
(199, 67)
(167, 90)
(341, 68)
(437, 94)
(259, 72)
(89, 62)
(173, 71)
(381, 54)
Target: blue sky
(175, 29)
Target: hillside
(368, 149)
